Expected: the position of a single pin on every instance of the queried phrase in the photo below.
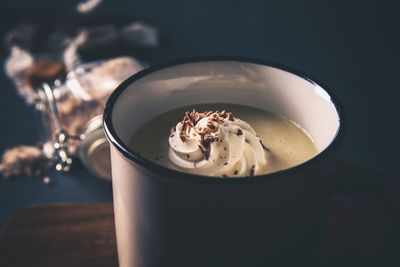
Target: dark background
(350, 46)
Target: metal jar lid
(94, 150)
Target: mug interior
(265, 87)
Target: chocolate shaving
(239, 132)
(230, 116)
(211, 126)
(197, 117)
(224, 176)
(202, 149)
(207, 155)
(189, 118)
(235, 172)
(187, 156)
(226, 163)
(184, 126)
(252, 170)
(263, 146)
(182, 135)
(216, 118)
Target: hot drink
(235, 142)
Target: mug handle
(356, 180)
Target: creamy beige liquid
(289, 144)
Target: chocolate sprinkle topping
(208, 133)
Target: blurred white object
(141, 34)
(72, 113)
(87, 6)
(16, 65)
(18, 61)
(71, 56)
(97, 80)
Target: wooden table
(82, 235)
(57, 235)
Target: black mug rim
(165, 172)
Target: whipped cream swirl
(216, 144)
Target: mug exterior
(168, 218)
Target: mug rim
(165, 172)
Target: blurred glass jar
(71, 113)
